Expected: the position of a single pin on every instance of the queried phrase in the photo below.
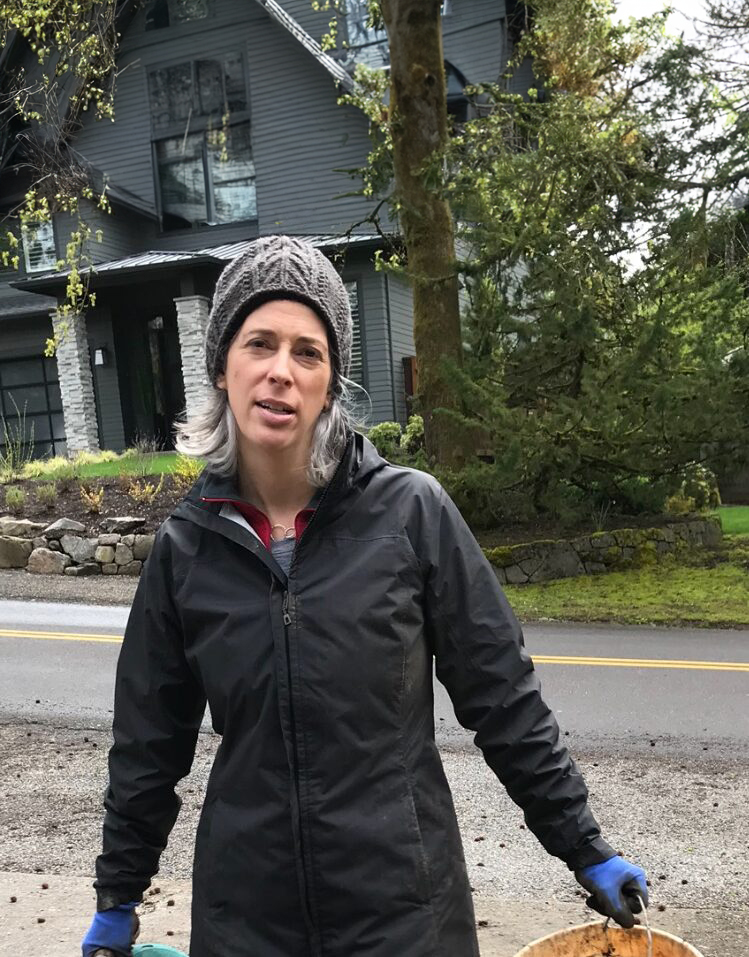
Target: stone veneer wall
(76, 384)
(192, 322)
(600, 552)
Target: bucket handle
(647, 925)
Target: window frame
(45, 266)
(210, 200)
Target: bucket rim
(689, 949)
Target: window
(203, 153)
(206, 178)
(31, 406)
(39, 247)
(202, 88)
(164, 13)
(357, 365)
(357, 24)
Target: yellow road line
(59, 636)
(642, 663)
(586, 661)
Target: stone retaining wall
(601, 552)
(67, 548)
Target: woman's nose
(280, 369)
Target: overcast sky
(680, 21)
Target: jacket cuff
(109, 897)
(594, 852)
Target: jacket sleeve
(158, 708)
(482, 662)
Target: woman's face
(277, 376)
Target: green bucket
(156, 950)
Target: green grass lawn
(664, 594)
(734, 518)
(131, 464)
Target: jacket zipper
(306, 902)
(316, 944)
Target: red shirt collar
(260, 522)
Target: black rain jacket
(328, 828)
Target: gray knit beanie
(278, 267)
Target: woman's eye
(257, 343)
(310, 354)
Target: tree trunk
(419, 126)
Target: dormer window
(39, 247)
(166, 13)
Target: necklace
(284, 532)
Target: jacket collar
(359, 459)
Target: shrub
(95, 458)
(480, 495)
(67, 474)
(92, 498)
(15, 499)
(701, 485)
(145, 492)
(386, 438)
(412, 440)
(44, 468)
(46, 494)
(642, 495)
(680, 504)
(186, 472)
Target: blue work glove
(112, 931)
(614, 887)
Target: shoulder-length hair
(211, 434)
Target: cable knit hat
(278, 267)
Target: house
(227, 128)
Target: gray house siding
(401, 332)
(473, 38)
(300, 134)
(122, 232)
(378, 380)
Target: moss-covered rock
(645, 554)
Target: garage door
(30, 405)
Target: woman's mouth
(277, 410)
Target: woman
(303, 588)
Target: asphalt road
(636, 685)
(661, 739)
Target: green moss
(667, 594)
(645, 554)
(501, 556)
(630, 536)
(611, 556)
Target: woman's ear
(221, 382)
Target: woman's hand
(615, 887)
(112, 932)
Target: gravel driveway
(20, 585)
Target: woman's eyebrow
(259, 332)
(312, 341)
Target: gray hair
(211, 434)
